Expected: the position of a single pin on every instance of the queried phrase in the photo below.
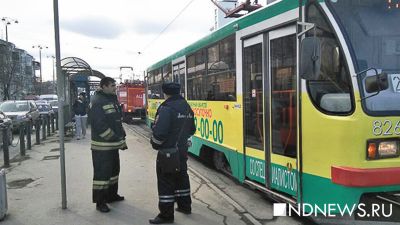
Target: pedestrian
(80, 111)
(173, 126)
(108, 136)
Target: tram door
(253, 98)
(282, 70)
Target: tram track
(143, 131)
(390, 199)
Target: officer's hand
(154, 145)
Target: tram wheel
(220, 162)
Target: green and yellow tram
(298, 99)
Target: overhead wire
(169, 24)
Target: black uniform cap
(171, 88)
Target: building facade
(16, 72)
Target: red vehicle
(132, 99)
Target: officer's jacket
(106, 124)
(173, 115)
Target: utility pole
(40, 47)
(8, 21)
(54, 79)
(61, 99)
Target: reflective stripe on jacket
(107, 130)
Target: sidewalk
(34, 191)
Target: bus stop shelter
(76, 74)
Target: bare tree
(7, 68)
(16, 87)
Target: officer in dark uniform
(108, 136)
(173, 125)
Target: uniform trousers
(106, 169)
(173, 187)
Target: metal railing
(46, 124)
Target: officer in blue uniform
(173, 126)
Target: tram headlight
(383, 148)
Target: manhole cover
(19, 183)
(51, 157)
(55, 150)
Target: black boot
(102, 207)
(116, 198)
(160, 220)
(184, 211)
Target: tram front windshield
(373, 32)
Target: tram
(300, 99)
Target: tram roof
(238, 24)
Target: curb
(236, 205)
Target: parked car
(45, 109)
(20, 111)
(41, 101)
(48, 97)
(54, 105)
(5, 122)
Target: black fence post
(37, 130)
(48, 125)
(52, 123)
(28, 135)
(22, 139)
(6, 152)
(43, 128)
(56, 120)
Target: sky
(107, 34)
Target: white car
(48, 97)
(54, 105)
(20, 111)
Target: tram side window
(182, 78)
(331, 91)
(196, 72)
(217, 80)
(154, 84)
(179, 76)
(221, 75)
(283, 95)
(175, 73)
(167, 74)
(150, 79)
(150, 83)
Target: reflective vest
(106, 122)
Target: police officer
(174, 124)
(108, 136)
